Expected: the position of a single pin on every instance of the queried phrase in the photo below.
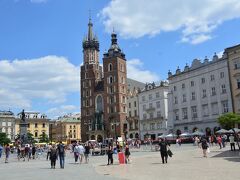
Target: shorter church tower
(115, 89)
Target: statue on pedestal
(23, 117)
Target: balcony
(150, 109)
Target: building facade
(7, 124)
(132, 122)
(198, 95)
(103, 89)
(153, 110)
(233, 56)
(38, 124)
(66, 128)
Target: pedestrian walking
(7, 153)
(81, 151)
(204, 147)
(110, 155)
(53, 156)
(219, 141)
(49, 150)
(1, 149)
(75, 152)
(163, 150)
(61, 154)
(87, 152)
(127, 153)
(232, 142)
(33, 151)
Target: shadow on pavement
(233, 156)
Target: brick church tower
(103, 90)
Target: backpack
(61, 148)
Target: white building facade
(153, 110)
(198, 95)
(7, 124)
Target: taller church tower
(91, 75)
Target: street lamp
(115, 123)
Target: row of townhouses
(65, 128)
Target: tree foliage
(43, 138)
(228, 120)
(4, 139)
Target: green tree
(228, 121)
(43, 138)
(4, 139)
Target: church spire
(91, 40)
(90, 25)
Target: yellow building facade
(66, 129)
(37, 124)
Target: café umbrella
(222, 131)
(235, 129)
(197, 133)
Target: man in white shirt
(81, 151)
(232, 142)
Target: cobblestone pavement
(187, 163)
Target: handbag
(169, 152)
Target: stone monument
(23, 129)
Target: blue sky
(41, 43)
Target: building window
(111, 89)
(193, 96)
(144, 107)
(152, 126)
(222, 75)
(144, 116)
(158, 125)
(135, 113)
(214, 108)
(130, 114)
(192, 83)
(143, 98)
(110, 80)
(205, 110)
(184, 113)
(213, 91)
(238, 83)
(224, 89)
(176, 114)
(129, 105)
(183, 86)
(36, 125)
(157, 95)
(43, 125)
(124, 99)
(236, 64)
(158, 104)
(158, 114)
(194, 111)
(135, 104)
(203, 80)
(184, 98)
(174, 88)
(225, 106)
(150, 96)
(204, 93)
(144, 127)
(212, 77)
(36, 134)
(150, 105)
(151, 115)
(109, 67)
(175, 100)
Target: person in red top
(219, 140)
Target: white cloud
(196, 19)
(62, 110)
(136, 71)
(48, 78)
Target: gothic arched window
(109, 67)
(99, 103)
